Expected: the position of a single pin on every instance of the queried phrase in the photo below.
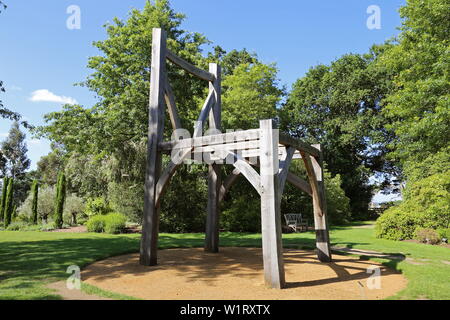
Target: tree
(59, 200)
(3, 162)
(250, 94)
(3, 201)
(419, 104)
(15, 150)
(46, 204)
(34, 204)
(73, 207)
(418, 109)
(49, 166)
(121, 80)
(338, 106)
(106, 144)
(9, 206)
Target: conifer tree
(34, 204)
(60, 198)
(9, 202)
(3, 200)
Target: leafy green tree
(48, 166)
(73, 208)
(121, 79)
(338, 106)
(250, 94)
(60, 199)
(230, 60)
(418, 109)
(34, 205)
(106, 144)
(9, 205)
(419, 104)
(45, 208)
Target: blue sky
(41, 57)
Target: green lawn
(30, 260)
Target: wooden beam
(248, 172)
(237, 136)
(252, 153)
(214, 176)
(317, 200)
(291, 178)
(287, 140)
(299, 183)
(270, 207)
(168, 172)
(215, 115)
(150, 225)
(320, 213)
(285, 163)
(209, 103)
(171, 106)
(199, 73)
(224, 148)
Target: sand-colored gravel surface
(237, 274)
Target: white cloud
(44, 95)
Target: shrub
(97, 206)
(115, 223)
(32, 227)
(47, 227)
(443, 233)
(127, 198)
(112, 223)
(82, 221)
(96, 224)
(396, 224)
(17, 226)
(427, 235)
(243, 215)
(426, 205)
(338, 204)
(184, 203)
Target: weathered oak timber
(150, 224)
(199, 73)
(270, 207)
(214, 174)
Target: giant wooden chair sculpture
(273, 150)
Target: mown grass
(31, 260)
